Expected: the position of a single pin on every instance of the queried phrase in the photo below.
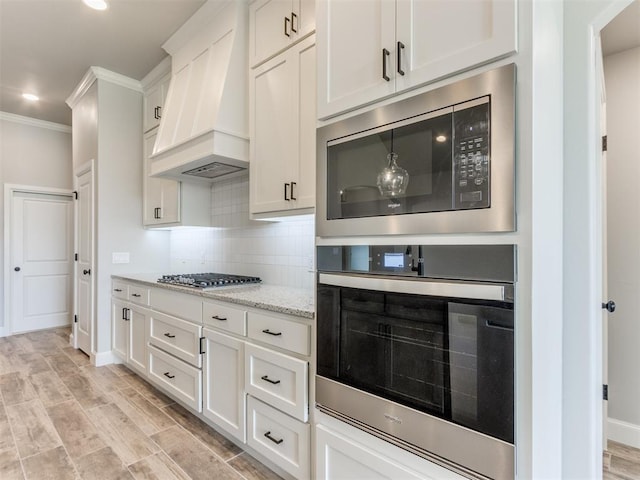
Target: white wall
(622, 80)
(280, 253)
(32, 153)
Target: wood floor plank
(157, 467)
(77, 356)
(10, 466)
(6, 437)
(103, 464)
(105, 378)
(78, 434)
(252, 469)
(120, 433)
(62, 364)
(149, 418)
(33, 362)
(154, 395)
(85, 391)
(52, 464)
(49, 388)
(16, 388)
(192, 456)
(32, 429)
(220, 445)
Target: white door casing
(85, 288)
(38, 258)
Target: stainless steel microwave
(439, 162)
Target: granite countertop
(289, 300)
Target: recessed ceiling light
(31, 97)
(96, 4)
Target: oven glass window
(446, 357)
(434, 164)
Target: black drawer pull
(269, 332)
(385, 54)
(216, 317)
(267, 379)
(117, 290)
(137, 295)
(168, 335)
(168, 375)
(277, 442)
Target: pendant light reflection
(393, 179)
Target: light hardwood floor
(621, 462)
(61, 418)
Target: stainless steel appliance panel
(496, 215)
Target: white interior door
(84, 273)
(41, 261)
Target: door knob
(87, 272)
(17, 269)
(610, 306)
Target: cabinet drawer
(177, 304)
(224, 317)
(178, 337)
(280, 332)
(277, 379)
(280, 438)
(120, 290)
(183, 381)
(139, 295)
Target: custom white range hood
(203, 133)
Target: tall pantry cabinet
(106, 125)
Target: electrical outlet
(120, 257)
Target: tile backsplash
(281, 253)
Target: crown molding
(99, 73)
(34, 122)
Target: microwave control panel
(471, 163)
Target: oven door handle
(480, 291)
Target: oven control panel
(488, 263)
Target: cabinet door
(441, 38)
(273, 133)
(161, 202)
(277, 24)
(283, 151)
(304, 191)
(351, 37)
(120, 326)
(224, 398)
(138, 336)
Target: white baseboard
(623, 432)
(103, 358)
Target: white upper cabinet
(276, 25)
(371, 49)
(282, 125)
(154, 102)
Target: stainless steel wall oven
(438, 162)
(415, 344)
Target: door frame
(9, 190)
(78, 171)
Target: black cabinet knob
(610, 306)
(17, 269)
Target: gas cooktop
(207, 280)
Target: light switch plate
(120, 257)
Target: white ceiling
(46, 46)
(623, 32)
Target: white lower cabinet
(120, 326)
(137, 355)
(278, 379)
(223, 378)
(183, 381)
(178, 337)
(282, 439)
